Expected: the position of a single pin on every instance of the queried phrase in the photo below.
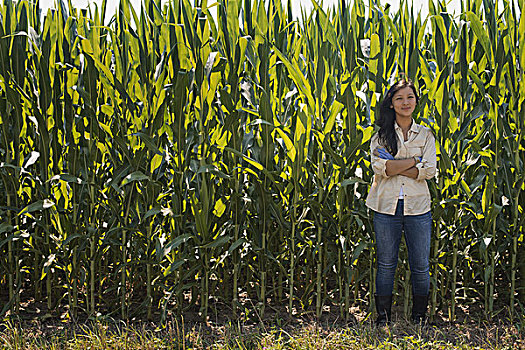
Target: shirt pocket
(415, 149)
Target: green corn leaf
(481, 34)
(37, 206)
(218, 242)
(135, 176)
(149, 142)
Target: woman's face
(404, 102)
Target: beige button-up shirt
(384, 193)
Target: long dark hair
(387, 116)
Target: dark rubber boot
(419, 309)
(383, 308)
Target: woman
(403, 157)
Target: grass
(299, 335)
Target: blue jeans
(417, 230)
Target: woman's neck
(404, 122)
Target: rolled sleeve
(427, 167)
(378, 164)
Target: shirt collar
(413, 128)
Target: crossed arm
(406, 167)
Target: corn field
(198, 155)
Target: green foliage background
(165, 160)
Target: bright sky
(454, 5)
